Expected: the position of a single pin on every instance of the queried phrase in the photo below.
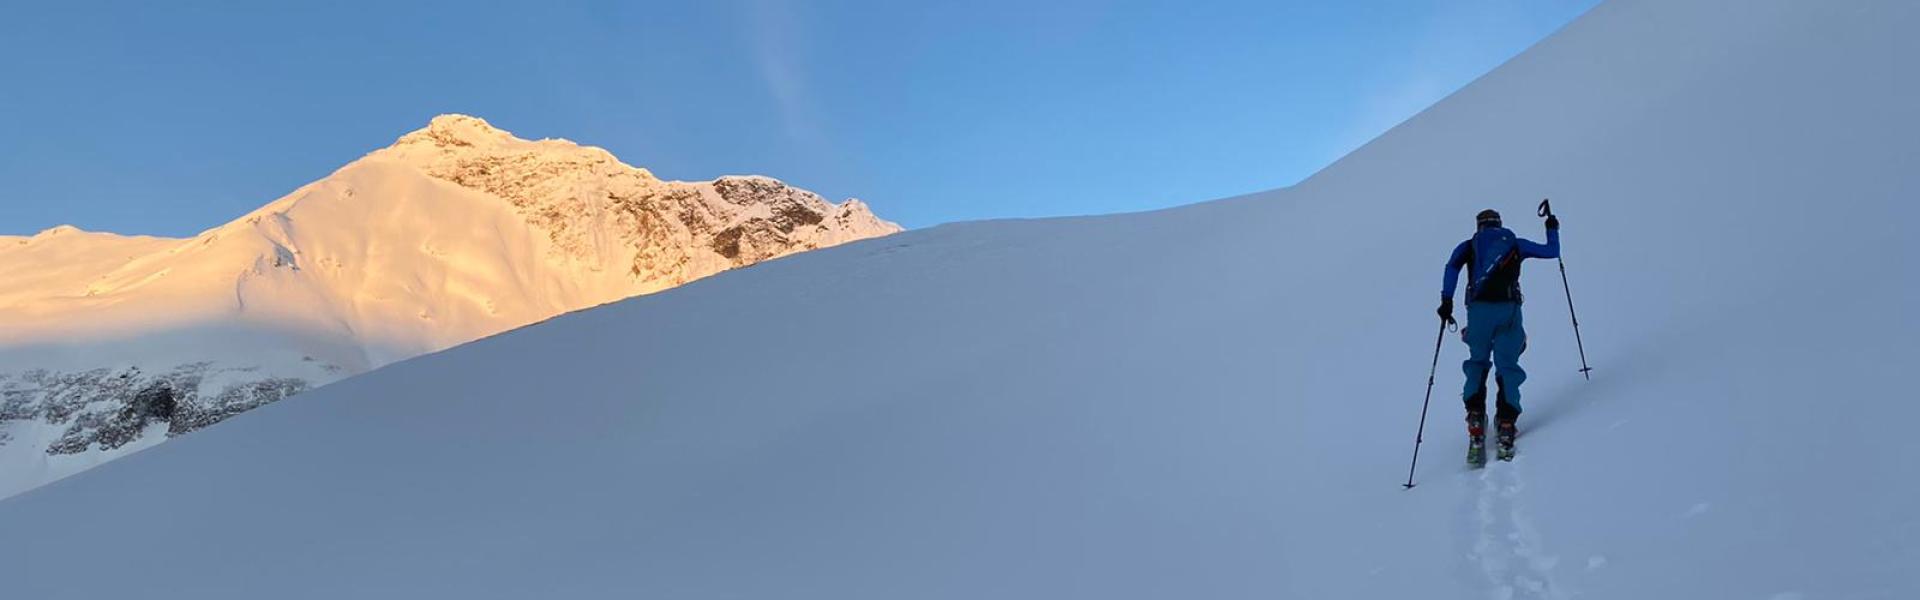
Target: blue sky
(170, 118)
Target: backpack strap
(1472, 267)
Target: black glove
(1553, 222)
(1446, 310)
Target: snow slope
(456, 231)
(1214, 401)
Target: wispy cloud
(776, 38)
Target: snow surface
(1214, 401)
(457, 231)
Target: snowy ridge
(457, 231)
(1214, 401)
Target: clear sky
(169, 118)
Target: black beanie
(1487, 218)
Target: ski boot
(1507, 432)
(1476, 440)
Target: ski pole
(1546, 210)
(1420, 433)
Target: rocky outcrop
(591, 205)
(104, 409)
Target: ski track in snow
(1508, 547)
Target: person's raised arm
(1551, 249)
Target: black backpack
(1499, 281)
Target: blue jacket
(1495, 254)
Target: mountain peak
(59, 230)
(455, 130)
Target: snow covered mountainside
(457, 231)
(1214, 401)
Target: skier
(1493, 323)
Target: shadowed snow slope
(1214, 401)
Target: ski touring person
(1494, 334)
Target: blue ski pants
(1495, 339)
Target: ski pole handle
(1546, 210)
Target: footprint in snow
(1508, 547)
